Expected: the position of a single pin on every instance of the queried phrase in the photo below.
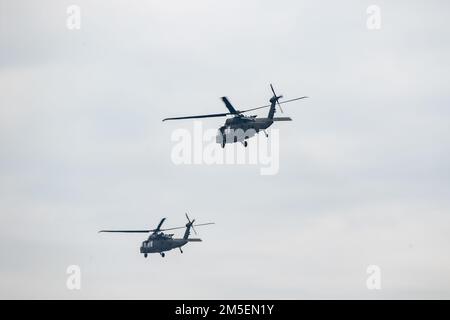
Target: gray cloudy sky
(364, 166)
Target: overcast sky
(364, 166)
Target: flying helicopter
(158, 241)
(242, 127)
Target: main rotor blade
(147, 231)
(267, 106)
(160, 224)
(203, 224)
(212, 115)
(229, 105)
(127, 231)
(293, 99)
(195, 225)
(172, 228)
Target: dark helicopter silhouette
(241, 127)
(158, 241)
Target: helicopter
(241, 127)
(158, 241)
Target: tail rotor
(276, 98)
(190, 223)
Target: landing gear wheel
(245, 144)
(145, 255)
(223, 144)
(163, 254)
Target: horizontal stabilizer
(282, 119)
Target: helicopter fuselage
(158, 241)
(240, 128)
(161, 245)
(246, 123)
